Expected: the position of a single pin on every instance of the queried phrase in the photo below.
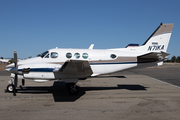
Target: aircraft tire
(10, 88)
(71, 89)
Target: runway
(127, 95)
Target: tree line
(173, 59)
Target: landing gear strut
(23, 82)
(72, 88)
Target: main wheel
(73, 89)
(11, 88)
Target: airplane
(4, 60)
(71, 65)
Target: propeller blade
(15, 63)
(15, 58)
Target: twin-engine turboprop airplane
(70, 65)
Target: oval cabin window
(85, 55)
(113, 56)
(76, 55)
(68, 55)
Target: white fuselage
(82, 63)
(101, 62)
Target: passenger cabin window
(54, 55)
(113, 56)
(68, 55)
(76, 55)
(85, 55)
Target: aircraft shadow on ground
(60, 93)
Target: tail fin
(159, 40)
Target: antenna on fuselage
(91, 46)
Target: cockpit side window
(54, 55)
(43, 54)
(47, 56)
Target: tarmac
(128, 95)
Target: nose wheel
(11, 88)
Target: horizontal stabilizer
(153, 56)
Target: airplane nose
(9, 67)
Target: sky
(33, 26)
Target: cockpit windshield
(44, 54)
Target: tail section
(159, 40)
(153, 51)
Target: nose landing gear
(11, 88)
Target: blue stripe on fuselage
(39, 70)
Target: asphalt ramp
(124, 95)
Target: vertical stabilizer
(159, 40)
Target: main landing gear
(72, 88)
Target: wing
(153, 56)
(74, 69)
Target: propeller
(16, 75)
